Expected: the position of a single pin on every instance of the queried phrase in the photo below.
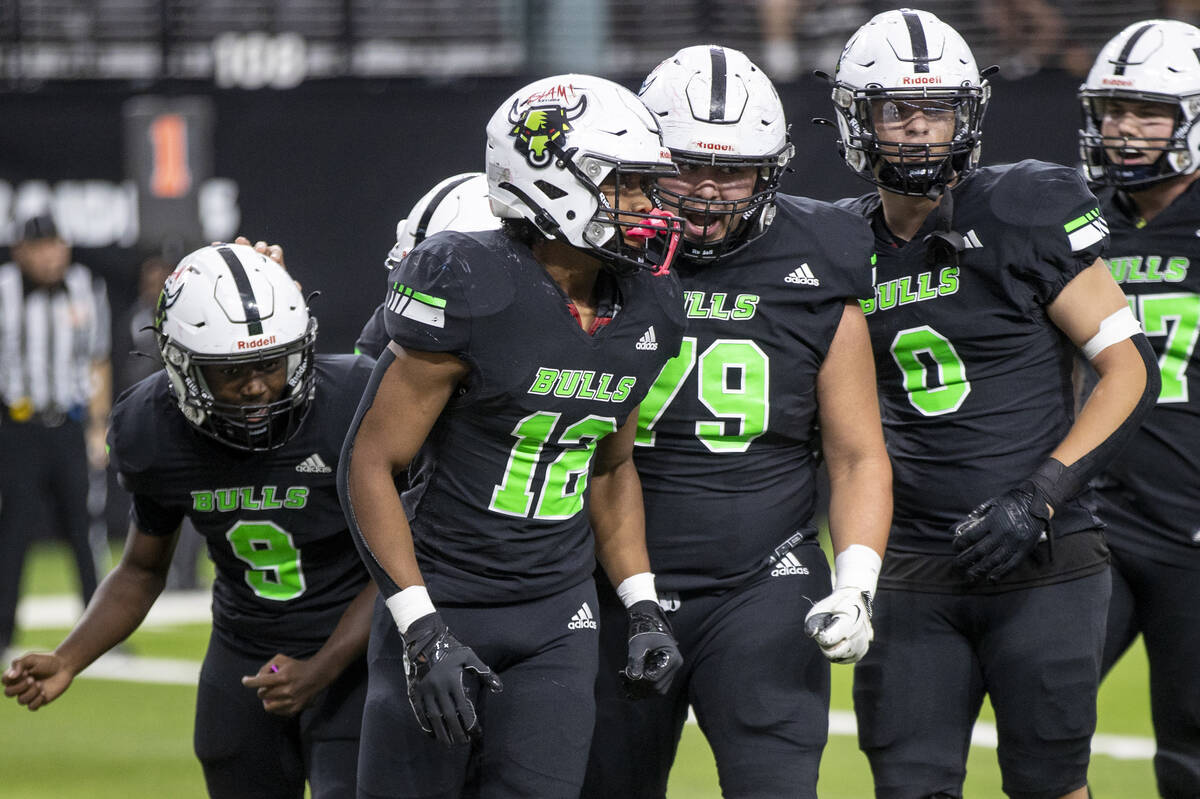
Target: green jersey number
(274, 561)
(1175, 316)
(565, 478)
(733, 383)
(935, 391)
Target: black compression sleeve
(1060, 483)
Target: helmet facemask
(655, 234)
(910, 168)
(252, 428)
(744, 217)
(1168, 156)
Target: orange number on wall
(170, 176)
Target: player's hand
(286, 685)
(36, 679)
(654, 656)
(272, 251)
(1001, 532)
(436, 664)
(841, 624)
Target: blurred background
(151, 127)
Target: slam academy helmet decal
(542, 125)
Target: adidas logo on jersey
(583, 619)
(971, 240)
(803, 276)
(788, 565)
(313, 465)
(648, 341)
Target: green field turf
(117, 739)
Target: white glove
(841, 622)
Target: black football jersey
(974, 378)
(286, 565)
(497, 501)
(1152, 490)
(726, 435)
(373, 338)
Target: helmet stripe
(432, 206)
(920, 48)
(242, 281)
(716, 102)
(1126, 51)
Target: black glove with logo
(653, 652)
(436, 664)
(1000, 533)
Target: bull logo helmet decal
(540, 126)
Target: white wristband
(1117, 326)
(636, 588)
(409, 605)
(858, 566)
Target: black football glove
(653, 652)
(436, 663)
(1000, 533)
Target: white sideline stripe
(173, 607)
(194, 607)
(1119, 747)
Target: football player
(509, 392)
(1140, 142)
(460, 202)
(776, 342)
(988, 280)
(241, 433)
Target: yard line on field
(194, 607)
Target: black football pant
(1162, 601)
(1035, 652)
(41, 468)
(759, 687)
(247, 752)
(535, 733)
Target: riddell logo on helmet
(255, 343)
(910, 81)
(1116, 82)
(714, 146)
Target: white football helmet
(1154, 60)
(459, 202)
(225, 305)
(553, 143)
(905, 56)
(717, 108)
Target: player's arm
(403, 401)
(1093, 313)
(618, 521)
(407, 393)
(286, 685)
(860, 484)
(118, 607)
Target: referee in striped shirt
(55, 394)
